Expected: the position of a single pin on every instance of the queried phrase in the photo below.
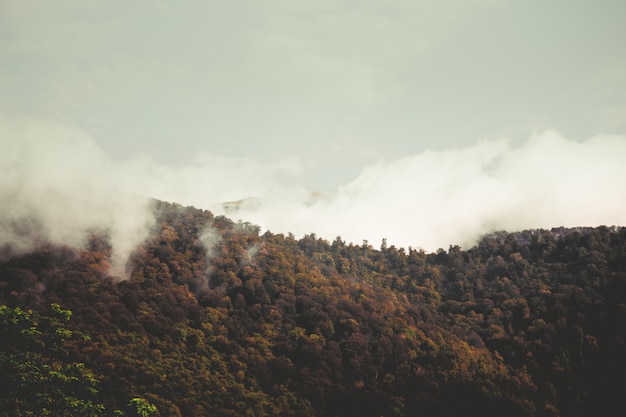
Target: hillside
(215, 319)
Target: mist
(55, 189)
(57, 184)
(439, 198)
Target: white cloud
(434, 199)
(54, 188)
(56, 184)
(60, 179)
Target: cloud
(54, 189)
(434, 199)
(57, 183)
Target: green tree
(37, 378)
(142, 407)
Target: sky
(469, 115)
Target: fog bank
(435, 199)
(57, 183)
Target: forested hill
(215, 319)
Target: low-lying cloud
(54, 189)
(438, 198)
(59, 180)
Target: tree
(142, 407)
(37, 379)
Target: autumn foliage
(216, 319)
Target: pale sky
(334, 84)
(234, 99)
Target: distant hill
(216, 319)
(232, 207)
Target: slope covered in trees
(215, 319)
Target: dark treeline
(216, 319)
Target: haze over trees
(217, 319)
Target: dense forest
(217, 319)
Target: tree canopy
(217, 319)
